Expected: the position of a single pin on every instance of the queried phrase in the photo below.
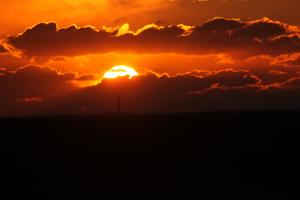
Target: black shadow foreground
(236, 155)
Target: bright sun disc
(120, 71)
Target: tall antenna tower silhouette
(119, 105)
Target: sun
(120, 71)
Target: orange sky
(17, 14)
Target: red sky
(209, 55)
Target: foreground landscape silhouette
(218, 155)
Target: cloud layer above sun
(18, 14)
(221, 35)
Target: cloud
(33, 81)
(30, 100)
(43, 90)
(261, 29)
(2, 71)
(31, 89)
(247, 98)
(2, 49)
(288, 60)
(86, 77)
(13, 62)
(200, 90)
(153, 92)
(219, 35)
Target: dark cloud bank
(2, 49)
(35, 90)
(219, 35)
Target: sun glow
(120, 71)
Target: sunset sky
(191, 55)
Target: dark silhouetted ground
(236, 155)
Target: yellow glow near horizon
(120, 71)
